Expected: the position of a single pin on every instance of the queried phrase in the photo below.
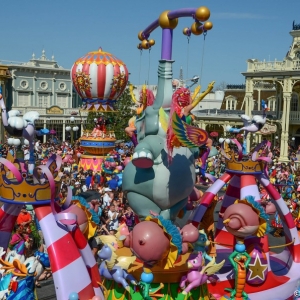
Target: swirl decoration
(265, 145)
(12, 168)
(61, 217)
(223, 152)
(240, 149)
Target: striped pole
(249, 187)
(88, 258)
(8, 216)
(289, 226)
(68, 268)
(232, 193)
(208, 197)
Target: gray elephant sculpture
(151, 182)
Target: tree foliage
(118, 120)
(221, 86)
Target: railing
(231, 113)
(67, 112)
(288, 64)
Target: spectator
(113, 217)
(113, 183)
(77, 189)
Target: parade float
(159, 180)
(65, 228)
(157, 259)
(99, 79)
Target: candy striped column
(232, 193)
(88, 258)
(208, 197)
(289, 227)
(68, 268)
(249, 187)
(8, 216)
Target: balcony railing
(43, 111)
(287, 65)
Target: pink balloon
(119, 168)
(96, 298)
(66, 159)
(127, 160)
(113, 165)
(71, 160)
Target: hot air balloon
(99, 78)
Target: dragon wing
(125, 261)
(189, 136)
(212, 268)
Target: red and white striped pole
(68, 268)
(208, 197)
(88, 258)
(290, 230)
(8, 217)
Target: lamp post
(293, 139)
(72, 129)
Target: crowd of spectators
(111, 202)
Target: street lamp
(72, 129)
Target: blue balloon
(73, 296)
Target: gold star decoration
(257, 269)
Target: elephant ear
(189, 136)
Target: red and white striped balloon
(99, 78)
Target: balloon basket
(91, 162)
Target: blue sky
(71, 28)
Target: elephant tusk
(226, 221)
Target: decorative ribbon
(61, 217)
(265, 145)
(240, 149)
(12, 168)
(223, 151)
(103, 101)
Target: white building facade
(44, 86)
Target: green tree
(118, 120)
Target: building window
(43, 100)
(44, 85)
(294, 102)
(62, 86)
(24, 84)
(23, 99)
(62, 100)
(272, 103)
(231, 102)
